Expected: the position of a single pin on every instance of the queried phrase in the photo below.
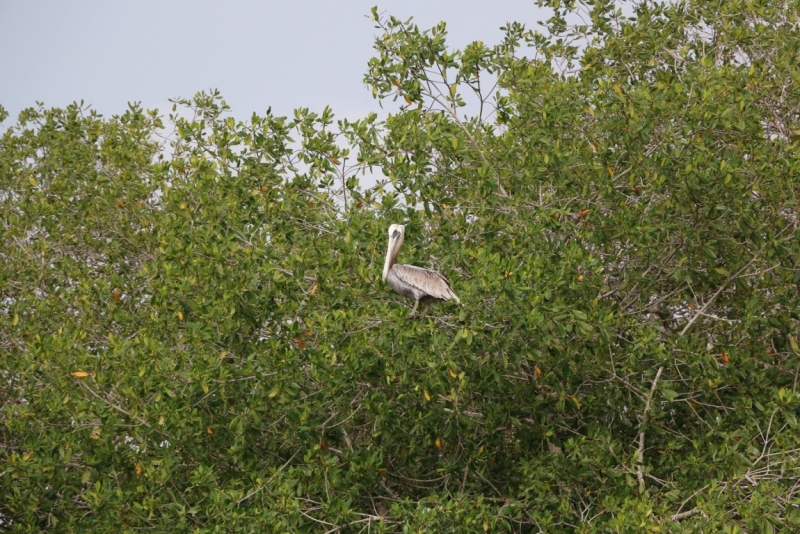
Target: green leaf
(669, 394)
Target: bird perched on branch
(423, 285)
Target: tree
(199, 340)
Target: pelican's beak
(387, 264)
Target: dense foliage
(195, 334)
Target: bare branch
(640, 455)
(715, 295)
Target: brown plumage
(423, 285)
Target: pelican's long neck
(395, 240)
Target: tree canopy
(196, 337)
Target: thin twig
(796, 374)
(464, 480)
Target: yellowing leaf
(485, 526)
(117, 296)
(120, 203)
(95, 435)
(618, 89)
(209, 431)
(314, 289)
(205, 388)
(15, 320)
(183, 205)
(452, 373)
(793, 343)
(426, 395)
(438, 443)
(580, 278)
(724, 357)
(408, 100)
(180, 316)
(80, 374)
(610, 171)
(138, 468)
(335, 160)
(536, 371)
(27, 456)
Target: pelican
(423, 285)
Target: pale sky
(258, 54)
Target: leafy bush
(198, 338)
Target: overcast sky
(259, 54)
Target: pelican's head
(396, 232)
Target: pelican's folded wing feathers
(427, 281)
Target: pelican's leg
(413, 311)
(425, 310)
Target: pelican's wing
(431, 282)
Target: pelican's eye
(396, 234)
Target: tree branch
(474, 141)
(640, 455)
(281, 468)
(121, 410)
(684, 515)
(714, 296)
